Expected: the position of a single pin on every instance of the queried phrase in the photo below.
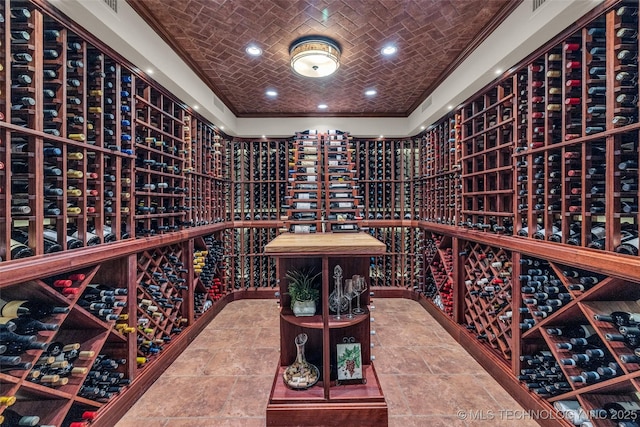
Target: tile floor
(224, 377)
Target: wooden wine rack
(206, 167)
(488, 295)
(386, 169)
(305, 195)
(341, 200)
(487, 174)
(77, 326)
(252, 269)
(114, 144)
(438, 282)
(210, 285)
(259, 174)
(439, 174)
(160, 294)
(537, 154)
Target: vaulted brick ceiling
(432, 37)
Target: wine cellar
(128, 221)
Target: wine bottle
(11, 418)
(572, 331)
(28, 326)
(23, 237)
(19, 250)
(629, 247)
(619, 318)
(72, 243)
(35, 309)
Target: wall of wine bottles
(259, 172)
(120, 157)
(386, 173)
(436, 177)
(76, 340)
(513, 219)
(252, 269)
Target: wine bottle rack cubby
(252, 269)
(162, 279)
(385, 170)
(114, 157)
(488, 295)
(305, 202)
(439, 173)
(259, 174)
(438, 278)
(487, 134)
(208, 265)
(74, 317)
(341, 199)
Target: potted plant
(303, 291)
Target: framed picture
(349, 362)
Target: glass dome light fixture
(314, 56)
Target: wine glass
(349, 294)
(359, 286)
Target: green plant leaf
(302, 284)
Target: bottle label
(11, 309)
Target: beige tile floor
(224, 377)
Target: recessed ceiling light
(264, 136)
(149, 70)
(195, 107)
(253, 50)
(370, 92)
(271, 93)
(389, 50)
(381, 136)
(498, 71)
(422, 127)
(450, 107)
(322, 106)
(221, 127)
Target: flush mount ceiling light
(314, 56)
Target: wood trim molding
(141, 8)
(506, 10)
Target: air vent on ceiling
(218, 103)
(426, 104)
(113, 4)
(537, 4)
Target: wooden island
(326, 403)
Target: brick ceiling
(432, 37)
